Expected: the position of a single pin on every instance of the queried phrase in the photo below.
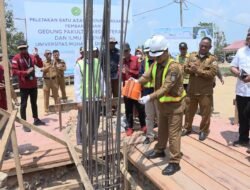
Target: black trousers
(243, 105)
(129, 105)
(25, 93)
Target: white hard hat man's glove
(144, 99)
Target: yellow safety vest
(95, 81)
(146, 67)
(180, 60)
(166, 97)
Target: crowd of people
(171, 88)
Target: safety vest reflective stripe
(95, 78)
(166, 97)
(146, 67)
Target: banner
(54, 25)
(191, 35)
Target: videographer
(240, 67)
(23, 65)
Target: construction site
(50, 158)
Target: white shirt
(78, 80)
(242, 61)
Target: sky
(231, 16)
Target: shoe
(8, 155)
(129, 131)
(185, 132)
(171, 169)
(148, 140)
(202, 136)
(248, 150)
(64, 100)
(144, 129)
(240, 143)
(38, 122)
(26, 129)
(155, 154)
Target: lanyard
(28, 63)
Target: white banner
(59, 26)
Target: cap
(158, 45)
(248, 33)
(112, 40)
(147, 45)
(126, 46)
(22, 44)
(183, 45)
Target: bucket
(132, 89)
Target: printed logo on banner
(76, 11)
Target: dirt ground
(223, 98)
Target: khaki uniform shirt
(61, 67)
(49, 69)
(172, 86)
(201, 82)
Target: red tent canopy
(234, 46)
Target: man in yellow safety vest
(169, 92)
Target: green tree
(13, 36)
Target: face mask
(139, 55)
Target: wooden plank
(227, 150)
(44, 133)
(72, 184)
(218, 155)
(6, 135)
(8, 90)
(148, 168)
(81, 170)
(124, 170)
(3, 121)
(17, 159)
(12, 172)
(180, 178)
(73, 105)
(216, 169)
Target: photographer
(240, 67)
(23, 65)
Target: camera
(243, 74)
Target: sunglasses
(21, 49)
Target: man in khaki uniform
(50, 80)
(166, 75)
(61, 67)
(202, 67)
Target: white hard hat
(147, 45)
(158, 44)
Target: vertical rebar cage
(100, 130)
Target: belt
(49, 78)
